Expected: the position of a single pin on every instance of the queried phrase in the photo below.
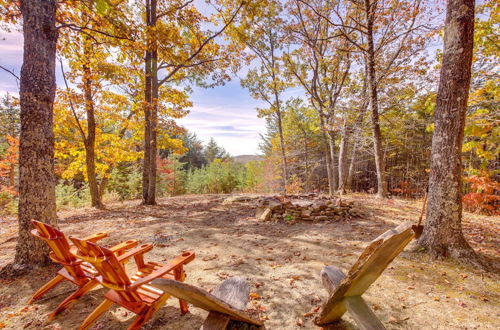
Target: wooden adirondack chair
(345, 291)
(132, 293)
(226, 303)
(81, 274)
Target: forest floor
(282, 262)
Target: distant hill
(243, 159)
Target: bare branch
(168, 12)
(11, 72)
(82, 132)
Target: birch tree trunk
(306, 156)
(328, 160)
(350, 174)
(283, 154)
(343, 158)
(442, 234)
(331, 147)
(36, 151)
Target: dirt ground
(282, 262)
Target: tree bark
(151, 90)
(12, 172)
(328, 160)
(36, 152)
(154, 112)
(350, 174)
(154, 125)
(90, 157)
(331, 147)
(442, 234)
(372, 82)
(283, 154)
(306, 156)
(147, 114)
(343, 158)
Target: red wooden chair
(133, 293)
(80, 273)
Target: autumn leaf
(254, 296)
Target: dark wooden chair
(74, 270)
(346, 290)
(133, 293)
(226, 303)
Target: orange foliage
(294, 185)
(9, 161)
(405, 189)
(484, 196)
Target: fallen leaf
(254, 296)
(222, 275)
(312, 312)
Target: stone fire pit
(302, 207)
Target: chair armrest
(137, 251)
(183, 259)
(119, 249)
(94, 238)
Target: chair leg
(141, 319)
(66, 303)
(148, 313)
(104, 306)
(46, 288)
(180, 276)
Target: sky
(226, 113)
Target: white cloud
(236, 128)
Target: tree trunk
(343, 157)
(442, 234)
(154, 124)
(331, 147)
(282, 143)
(372, 82)
(328, 160)
(147, 114)
(306, 169)
(36, 151)
(150, 112)
(350, 174)
(12, 172)
(95, 195)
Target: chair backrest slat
(111, 271)
(59, 247)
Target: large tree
(178, 49)
(321, 65)
(387, 35)
(443, 235)
(36, 153)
